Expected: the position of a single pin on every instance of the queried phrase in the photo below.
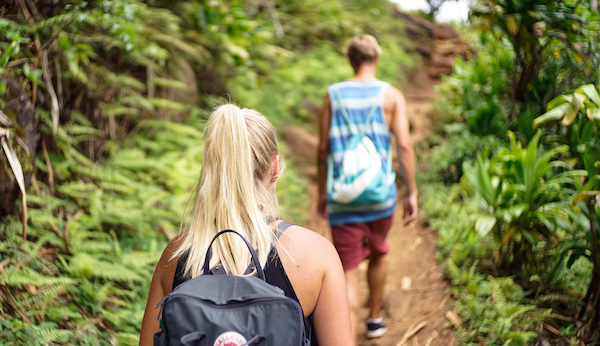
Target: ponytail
(233, 192)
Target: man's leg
(376, 275)
(352, 287)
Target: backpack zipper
(214, 305)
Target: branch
(54, 109)
(17, 170)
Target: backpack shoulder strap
(281, 227)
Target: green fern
(46, 335)
(58, 313)
(170, 83)
(26, 276)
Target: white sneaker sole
(376, 333)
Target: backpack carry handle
(194, 339)
(255, 261)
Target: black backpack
(230, 310)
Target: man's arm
(406, 154)
(323, 151)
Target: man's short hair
(362, 49)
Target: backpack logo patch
(230, 339)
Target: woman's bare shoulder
(165, 269)
(304, 244)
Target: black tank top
(274, 274)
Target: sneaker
(375, 328)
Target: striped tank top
(358, 98)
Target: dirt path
(415, 292)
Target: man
(359, 229)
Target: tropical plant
(523, 202)
(579, 115)
(528, 25)
(478, 88)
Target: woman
(236, 191)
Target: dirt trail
(415, 292)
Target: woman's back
(236, 191)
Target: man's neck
(366, 72)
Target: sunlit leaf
(573, 109)
(554, 114)
(7, 54)
(590, 91)
(485, 224)
(593, 113)
(583, 195)
(559, 100)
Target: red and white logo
(230, 339)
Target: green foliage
(579, 130)
(316, 34)
(494, 310)
(448, 156)
(523, 212)
(531, 26)
(523, 204)
(121, 89)
(477, 92)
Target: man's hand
(411, 208)
(322, 206)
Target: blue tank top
(358, 98)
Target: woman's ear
(275, 169)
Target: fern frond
(92, 247)
(48, 202)
(46, 335)
(121, 188)
(518, 311)
(76, 129)
(121, 79)
(564, 298)
(172, 127)
(498, 296)
(168, 104)
(59, 313)
(138, 59)
(139, 260)
(72, 153)
(133, 159)
(127, 338)
(65, 18)
(11, 24)
(136, 100)
(116, 272)
(175, 42)
(87, 266)
(79, 118)
(100, 172)
(117, 110)
(170, 83)
(10, 230)
(77, 189)
(26, 276)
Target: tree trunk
(25, 121)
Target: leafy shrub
(448, 156)
(523, 202)
(494, 310)
(580, 117)
(477, 91)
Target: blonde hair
(234, 192)
(361, 49)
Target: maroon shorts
(356, 241)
